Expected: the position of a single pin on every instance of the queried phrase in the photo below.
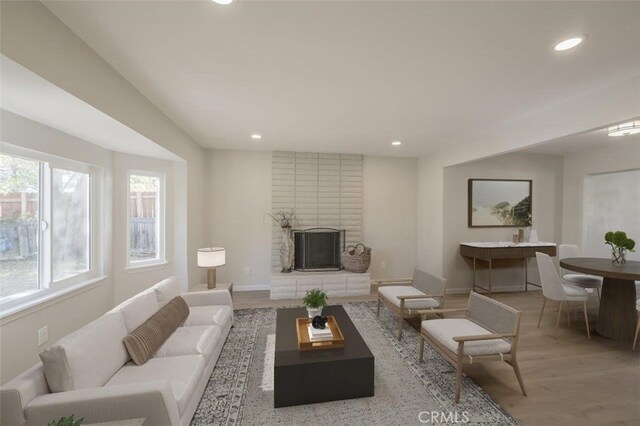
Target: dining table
(617, 313)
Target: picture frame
(500, 203)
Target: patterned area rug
(240, 389)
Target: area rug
(240, 390)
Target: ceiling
(580, 142)
(354, 76)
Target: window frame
(160, 223)
(47, 288)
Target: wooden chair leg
(400, 319)
(378, 312)
(420, 357)
(516, 369)
(568, 315)
(635, 339)
(558, 320)
(459, 371)
(586, 318)
(544, 302)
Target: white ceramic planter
(313, 312)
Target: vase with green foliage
(314, 301)
(620, 244)
(66, 421)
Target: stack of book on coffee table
(318, 334)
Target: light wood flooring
(570, 380)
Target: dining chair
(635, 339)
(554, 289)
(581, 280)
(489, 332)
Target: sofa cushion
(166, 290)
(182, 373)
(197, 340)
(146, 339)
(444, 330)
(87, 357)
(391, 293)
(138, 309)
(209, 315)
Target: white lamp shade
(211, 257)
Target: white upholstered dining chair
(569, 277)
(489, 332)
(554, 289)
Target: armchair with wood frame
(489, 332)
(408, 297)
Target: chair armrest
(152, 401)
(481, 337)
(208, 298)
(394, 281)
(439, 311)
(416, 296)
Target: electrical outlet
(247, 270)
(43, 335)
(383, 265)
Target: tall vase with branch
(619, 245)
(285, 220)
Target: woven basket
(356, 258)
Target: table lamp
(211, 257)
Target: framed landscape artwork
(499, 203)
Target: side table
(219, 286)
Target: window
(146, 219)
(46, 226)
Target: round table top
(602, 267)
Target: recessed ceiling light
(569, 43)
(624, 129)
(396, 143)
(256, 136)
(222, 2)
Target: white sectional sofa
(89, 373)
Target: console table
(489, 251)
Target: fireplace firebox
(318, 249)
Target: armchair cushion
(444, 330)
(391, 293)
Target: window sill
(47, 299)
(135, 269)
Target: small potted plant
(619, 245)
(314, 301)
(66, 421)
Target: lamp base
(211, 278)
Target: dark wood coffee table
(306, 377)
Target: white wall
(239, 190)
(546, 173)
(239, 194)
(617, 156)
(18, 332)
(389, 220)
